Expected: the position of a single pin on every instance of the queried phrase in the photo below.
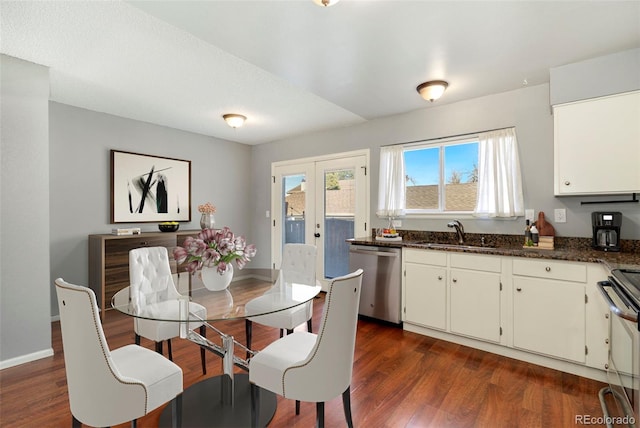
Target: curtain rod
(446, 138)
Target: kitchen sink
(454, 246)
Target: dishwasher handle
(375, 253)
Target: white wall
(527, 109)
(25, 328)
(81, 141)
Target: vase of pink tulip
(212, 252)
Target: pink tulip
(250, 250)
(180, 255)
(192, 266)
(222, 268)
(214, 248)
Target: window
(476, 175)
(441, 176)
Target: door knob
(317, 235)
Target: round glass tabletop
(242, 299)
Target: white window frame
(441, 144)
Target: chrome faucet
(459, 230)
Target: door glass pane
(293, 207)
(339, 217)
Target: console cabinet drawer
(109, 259)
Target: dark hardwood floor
(400, 379)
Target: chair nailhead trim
(104, 354)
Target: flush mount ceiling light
(432, 90)
(325, 2)
(234, 120)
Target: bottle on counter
(535, 237)
(527, 234)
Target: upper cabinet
(597, 146)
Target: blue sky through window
(423, 165)
(291, 181)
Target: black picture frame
(147, 188)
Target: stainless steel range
(622, 294)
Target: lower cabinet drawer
(476, 262)
(428, 257)
(549, 269)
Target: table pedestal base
(202, 405)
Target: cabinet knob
(548, 269)
(518, 289)
(606, 341)
(567, 183)
(440, 277)
(454, 280)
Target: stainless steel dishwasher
(380, 297)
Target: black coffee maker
(606, 230)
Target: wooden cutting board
(544, 228)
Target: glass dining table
(224, 400)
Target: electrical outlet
(560, 215)
(397, 223)
(529, 214)
(267, 214)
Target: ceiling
(293, 67)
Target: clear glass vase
(207, 221)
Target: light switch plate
(529, 214)
(560, 215)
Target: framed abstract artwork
(146, 188)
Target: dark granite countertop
(569, 249)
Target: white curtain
(499, 177)
(391, 196)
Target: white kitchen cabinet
(475, 304)
(475, 291)
(426, 295)
(544, 311)
(549, 308)
(454, 292)
(425, 291)
(597, 146)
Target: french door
(321, 201)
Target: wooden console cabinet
(109, 259)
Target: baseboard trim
(26, 358)
(538, 359)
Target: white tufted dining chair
(110, 387)
(151, 283)
(308, 367)
(299, 265)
